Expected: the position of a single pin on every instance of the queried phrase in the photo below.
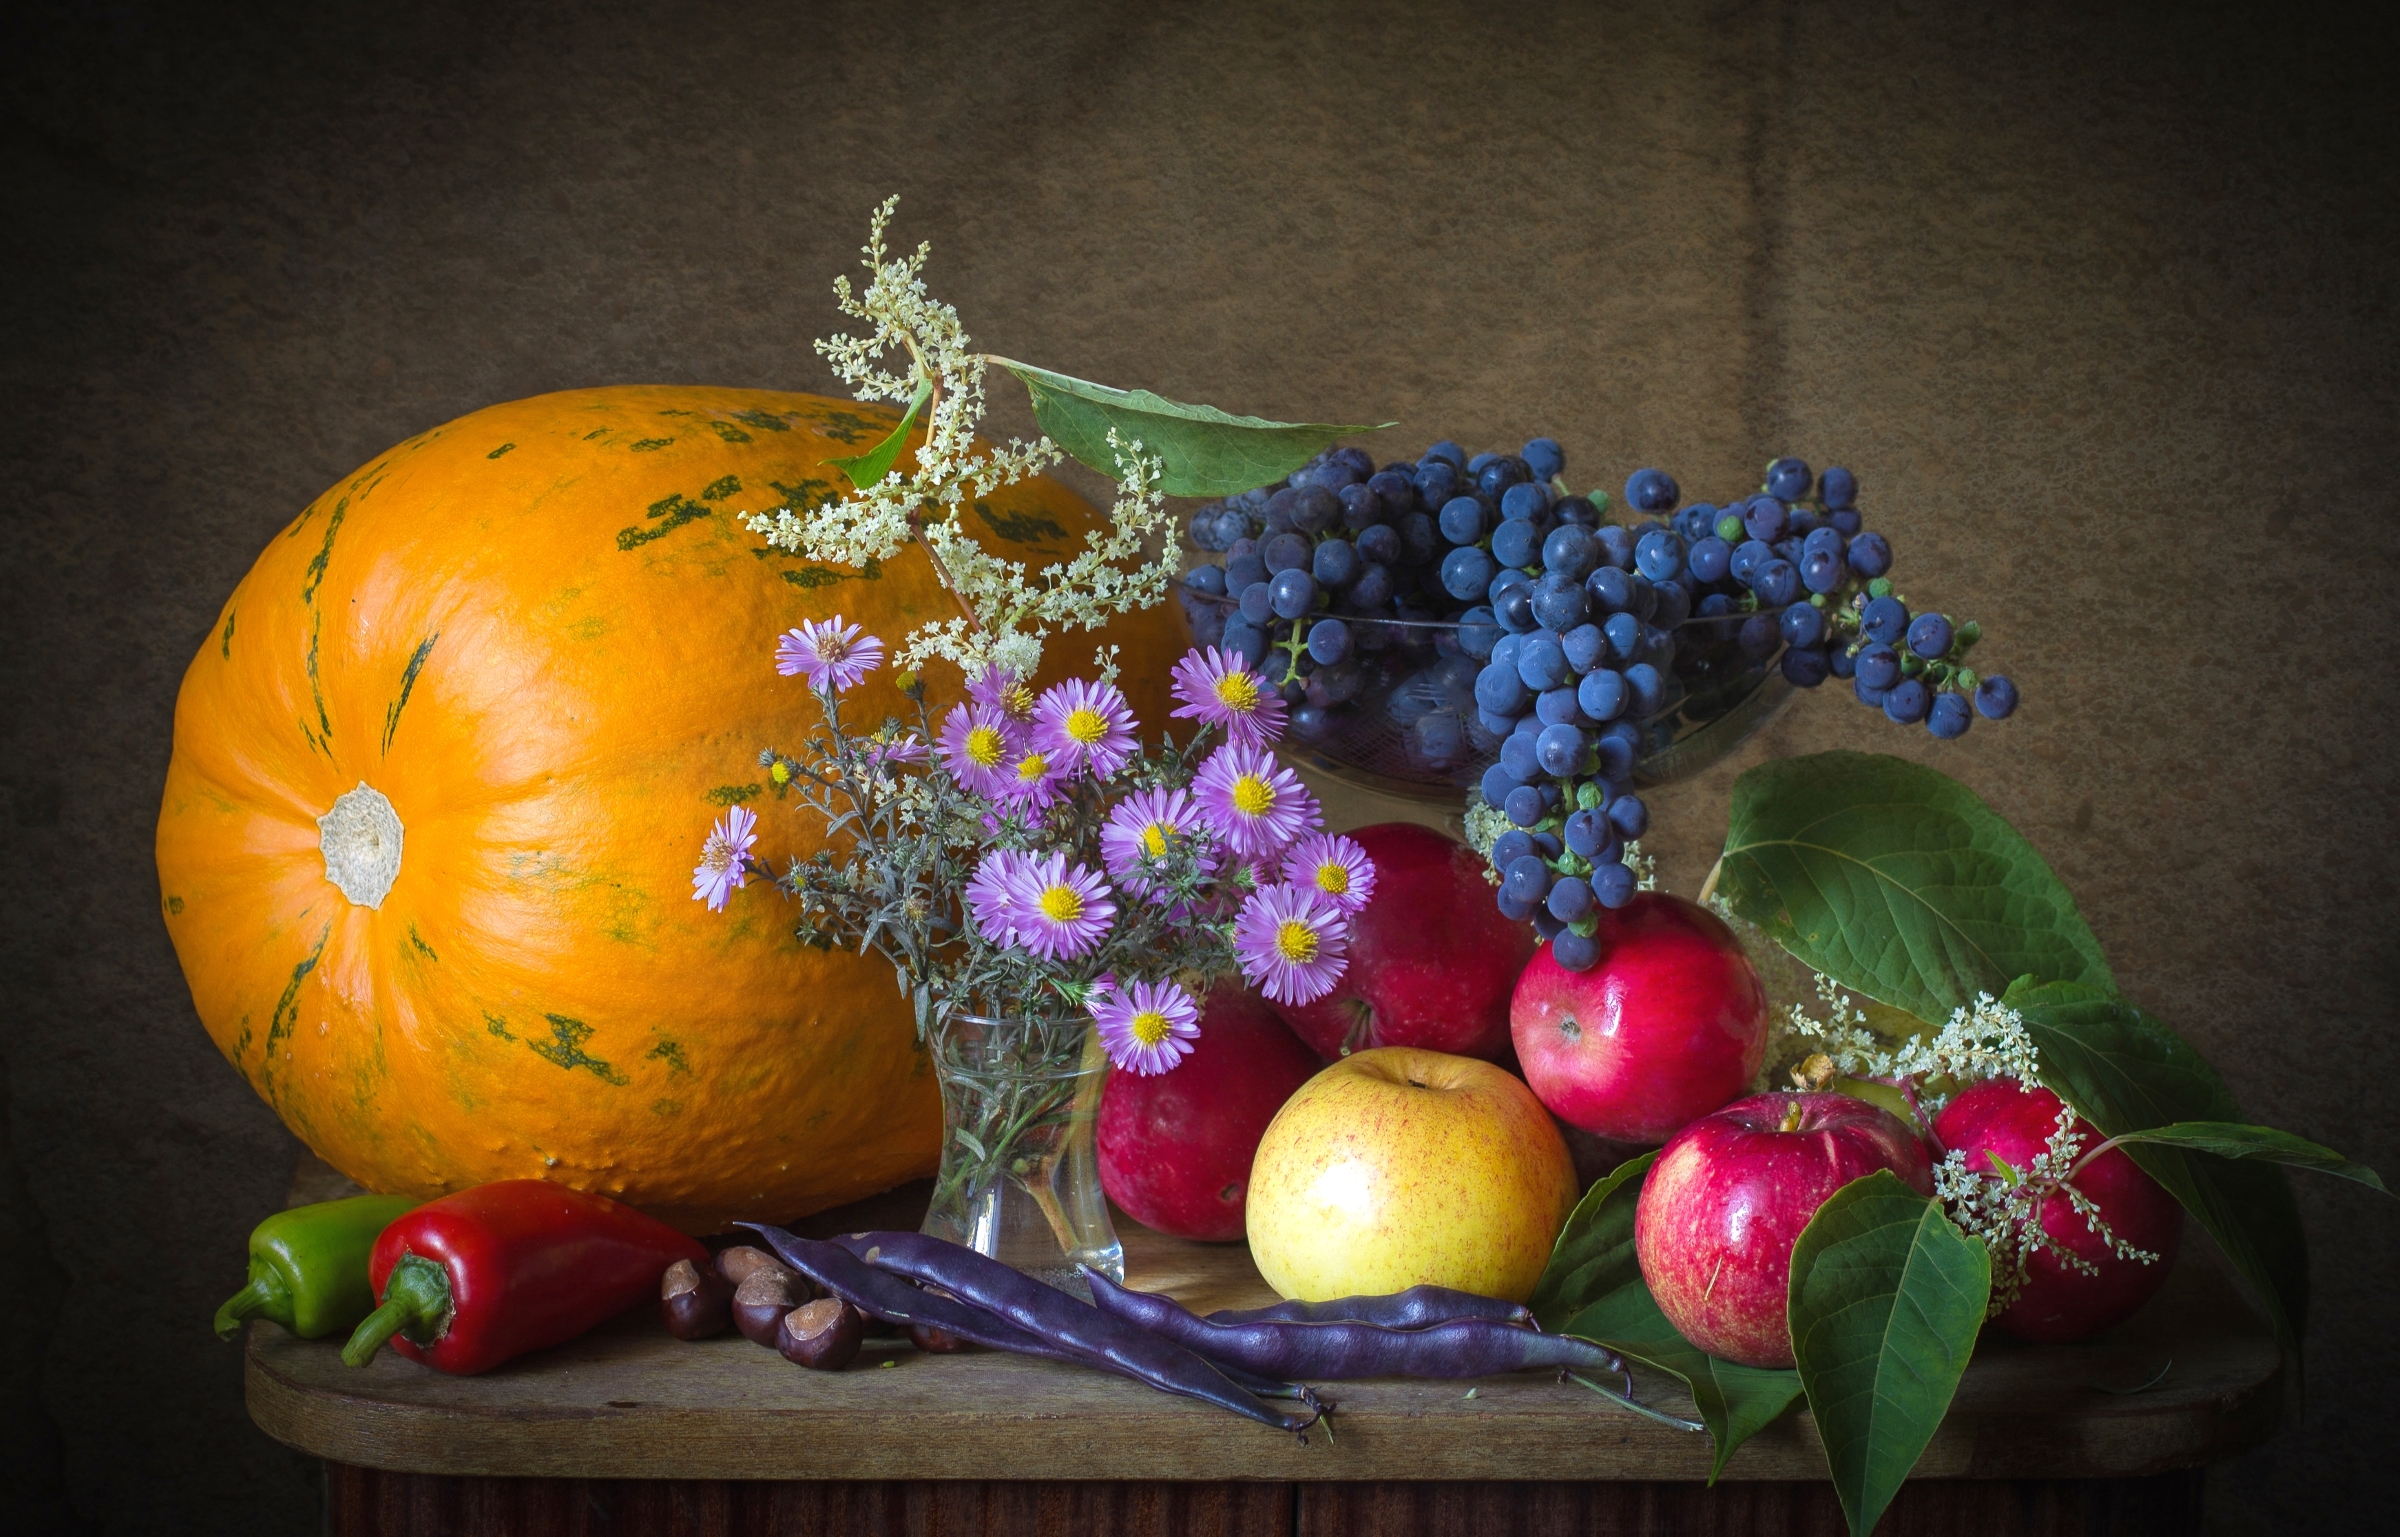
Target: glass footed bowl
(1406, 723)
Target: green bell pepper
(308, 1266)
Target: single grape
(1803, 624)
(1822, 539)
(1500, 689)
(1466, 572)
(1870, 555)
(1748, 556)
(1696, 522)
(1380, 544)
(1611, 590)
(1929, 636)
(1517, 542)
(1840, 662)
(1629, 816)
(1845, 521)
(1776, 582)
(1315, 509)
(1276, 515)
(1995, 698)
(1821, 571)
(1339, 682)
(1462, 520)
(1542, 661)
(1616, 545)
(1576, 952)
(1758, 635)
(1715, 605)
(1394, 490)
(1764, 518)
(1286, 552)
(1524, 806)
(1329, 640)
(1447, 452)
(1837, 488)
(1557, 707)
(1585, 646)
(1570, 898)
(1258, 603)
(1514, 609)
(1544, 458)
(1560, 749)
(1799, 521)
(1245, 640)
(1788, 479)
(1878, 665)
(1586, 832)
(1529, 499)
(1559, 603)
(1651, 491)
(1208, 579)
(1476, 464)
(1510, 847)
(1603, 695)
(1420, 538)
(1546, 924)
(1884, 619)
(1949, 717)
(1361, 463)
(1612, 884)
(1906, 701)
(1546, 844)
(1373, 588)
(1708, 559)
(1527, 878)
(1502, 472)
(1616, 756)
(1513, 910)
(1517, 754)
(1244, 570)
(1624, 633)
(1362, 507)
(1577, 510)
(1645, 690)
(1478, 633)
(1804, 666)
(1571, 551)
(1659, 556)
(1292, 594)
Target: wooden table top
(630, 1401)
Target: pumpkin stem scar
(408, 680)
(565, 1047)
(360, 838)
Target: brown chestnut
(736, 1264)
(824, 1334)
(937, 1342)
(696, 1304)
(760, 1302)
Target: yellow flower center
(1086, 726)
(1238, 691)
(1017, 702)
(716, 854)
(1333, 877)
(1062, 904)
(1154, 839)
(1296, 942)
(986, 746)
(1148, 1027)
(1253, 796)
(781, 773)
(1031, 767)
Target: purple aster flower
(724, 858)
(885, 753)
(1146, 825)
(1083, 724)
(1292, 942)
(992, 895)
(1334, 865)
(1061, 913)
(1147, 1027)
(1003, 691)
(1256, 805)
(1029, 780)
(1218, 689)
(834, 655)
(978, 747)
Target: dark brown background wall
(2099, 302)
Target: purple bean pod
(884, 1294)
(1463, 1347)
(1052, 1315)
(1419, 1307)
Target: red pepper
(470, 1280)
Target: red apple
(1175, 1148)
(1432, 961)
(1669, 1025)
(2059, 1303)
(1725, 1202)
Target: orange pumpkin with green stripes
(444, 766)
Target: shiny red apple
(1432, 961)
(1728, 1197)
(1670, 1024)
(2059, 1302)
(1175, 1148)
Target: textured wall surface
(2098, 301)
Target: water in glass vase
(1020, 1180)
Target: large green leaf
(1206, 451)
(1896, 881)
(2230, 1139)
(1593, 1289)
(1887, 1298)
(2124, 1071)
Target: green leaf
(2124, 1071)
(1593, 1289)
(1206, 451)
(869, 468)
(1896, 881)
(2231, 1139)
(1887, 1298)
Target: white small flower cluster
(1987, 1041)
(2004, 1209)
(1644, 868)
(1009, 607)
(1484, 825)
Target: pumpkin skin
(543, 635)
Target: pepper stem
(265, 1295)
(416, 1302)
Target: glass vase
(1020, 1179)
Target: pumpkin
(444, 765)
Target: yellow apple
(1396, 1167)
